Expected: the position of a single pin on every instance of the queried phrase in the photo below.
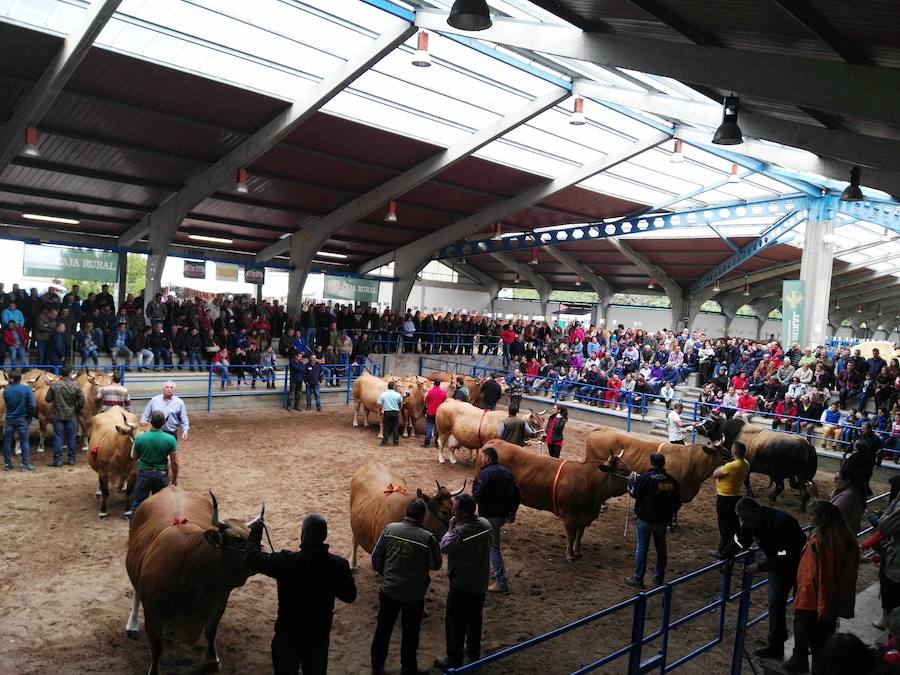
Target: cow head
(440, 508)
(615, 465)
(229, 537)
(713, 427)
(132, 429)
(717, 450)
(536, 419)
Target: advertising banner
(255, 275)
(227, 272)
(80, 264)
(194, 269)
(351, 289)
(793, 294)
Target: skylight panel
(36, 12)
(521, 158)
(648, 177)
(554, 145)
(61, 18)
(611, 185)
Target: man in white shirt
(675, 426)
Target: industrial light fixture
(859, 309)
(422, 58)
(729, 133)
(852, 193)
(577, 118)
(50, 219)
(391, 216)
(677, 156)
(716, 286)
(497, 235)
(472, 15)
(516, 279)
(746, 292)
(733, 176)
(213, 240)
(31, 140)
(578, 280)
(650, 283)
(837, 303)
(240, 185)
(328, 254)
(534, 257)
(880, 313)
(831, 238)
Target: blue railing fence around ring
(720, 571)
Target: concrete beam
(168, 216)
(882, 293)
(601, 287)
(681, 307)
(767, 76)
(424, 248)
(36, 103)
(885, 275)
(867, 151)
(473, 273)
(365, 204)
(539, 283)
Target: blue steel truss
(877, 213)
(700, 217)
(770, 236)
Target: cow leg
(570, 541)
(133, 628)
(104, 492)
(748, 489)
(356, 414)
(212, 657)
(42, 429)
(155, 638)
(353, 546)
(579, 532)
(779, 488)
(674, 522)
(129, 488)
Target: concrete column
(153, 284)
(760, 322)
(159, 240)
(679, 306)
(729, 320)
(301, 260)
(600, 311)
(405, 271)
(816, 272)
(123, 278)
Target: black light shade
(852, 193)
(470, 15)
(729, 133)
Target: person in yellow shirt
(729, 480)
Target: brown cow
(110, 452)
(379, 495)
(463, 425)
(414, 406)
(90, 384)
(183, 563)
(40, 381)
(690, 464)
(572, 491)
(366, 390)
(473, 384)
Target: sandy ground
(65, 595)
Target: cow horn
(261, 516)
(127, 423)
(460, 491)
(215, 512)
(621, 452)
(438, 483)
(543, 412)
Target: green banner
(80, 264)
(351, 289)
(793, 295)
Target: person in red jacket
(433, 400)
(16, 340)
(507, 337)
(785, 412)
(611, 398)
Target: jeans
(89, 354)
(429, 428)
(729, 523)
(163, 355)
(41, 352)
(310, 338)
(195, 360)
(64, 429)
(149, 482)
(12, 426)
(223, 372)
(499, 570)
(289, 655)
(779, 589)
(312, 390)
(644, 531)
(128, 355)
(462, 625)
(18, 357)
(410, 622)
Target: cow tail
(812, 463)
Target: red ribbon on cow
(480, 422)
(94, 451)
(179, 521)
(553, 488)
(390, 489)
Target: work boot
(796, 664)
(635, 583)
(496, 588)
(770, 652)
(881, 624)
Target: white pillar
(816, 272)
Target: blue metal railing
(658, 662)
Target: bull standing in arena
(183, 562)
(778, 455)
(463, 425)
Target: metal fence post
(555, 392)
(740, 631)
(628, 417)
(209, 389)
(421, 359)
(637, 634)
(349, 376)
(123, 374)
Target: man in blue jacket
(312, 375)
(498, 500)
(58, 346)
(20, 408)
(297, 371)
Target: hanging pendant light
(852, 193)
(650, 283)
(578, 280)
(391, 216)
(240, 185)
(733, 176)
(729, 133)
(534, 257)
(716, 286)
(31, 140)
(746, 292)
(497, 235)
(678, 155)
(837, 303)
(472, 15)
(859, 309)
(577, 118)
(516, 279)
(422, 59)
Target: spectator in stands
(143, 355)
(848, 382)
(119, 345)
(809, 415)
(16, 340)
(730, 402)
(849, 497)
(784, 413)
(14, 314)
(44, 326)
(831, 429)
(222, 365)
(58, 346)
(267, 367)
(161, 345)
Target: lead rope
(268, 538)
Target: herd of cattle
(184, 561)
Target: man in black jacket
(782, 540)
(498, 499)
(656, 500)
(308, 582)
(490, 393)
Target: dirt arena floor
(65, 595)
